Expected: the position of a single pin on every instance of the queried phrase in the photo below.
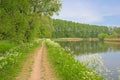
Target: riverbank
(75, 39)
(88, 39)
(112, 39)
(66, 67)
(63, 64)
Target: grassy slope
(66, 67)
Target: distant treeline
(63, 29)
(24, 20)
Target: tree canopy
(63, 29)
(24, 20)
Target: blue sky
(98, 12)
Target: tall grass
(66, 67)
(5, 46)
(10, 64)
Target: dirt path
(37, 67)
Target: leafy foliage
(5, 46)
(63, 29)
(102, 36)
(22, 20)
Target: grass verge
(5, 46)
(66, 67)
(10, 64)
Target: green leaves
(24, 20)
(102, 36)
(45, 7)
(69, 29)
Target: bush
(102, 36)
(1, 36)
(5, 46)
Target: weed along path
(40, 68)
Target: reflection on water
(95, 61)
(84, 47)
(105, 58)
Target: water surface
(104, 57)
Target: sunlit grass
(5, 46)
(10, 64)
(66, 67)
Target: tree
(45, 7)
(63, 28)
(22, 20)
(102, 36)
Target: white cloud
(86, 11)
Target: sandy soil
(76, 39)
(37, 67)
(112, 38)
(27, 66)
